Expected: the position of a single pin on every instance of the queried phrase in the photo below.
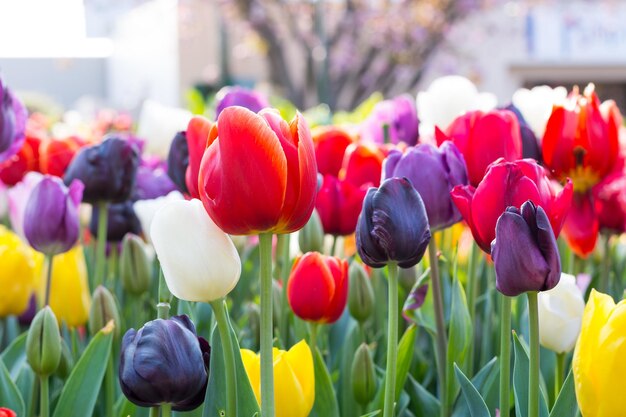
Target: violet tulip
(12, 123)
(399, 114)
(152, 181)
(240, 96)
(178, 161)
(121, 220)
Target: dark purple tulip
(12, 123)
(121, 220)
(165, 362)
(399, 114)
(178, 161)
(530, 144)
(152, 181)
(433, 172)
(524, 252)
(29, 314)
(393, 225)
(51, 215)
(240, 96)
(107, 170)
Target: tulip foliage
(446, 260)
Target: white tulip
(158, 124)
(146, 209)
(447, 98)
(536, 105)
(560, 315)
(199, 261)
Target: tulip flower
(146, 210)
(433, 172)
(363, 375)
(158, 124)
(393, 226)
(51, 215)
(197, 137)
(510, 184)
(294, 382)
(103, 310)
(55, 155)
(581, 226)
(121, 220)
(43, 343)
(609, 197)
(560, 315)
(530, 144)
(151, 180)
(18, 198)
(399, 115)
(240, 96)
(311, 236)
(12, 123)
(483, 138)
(178, 160)
(361, 297)
(18, 273)
(165, 362)
(5, 412)
(535, 105)
(258, 173)
(525, 253)
(135, 265)
(330, 146)
(317, 289)
(362, 164)
(26, 159)
(107, 170)
(339, 204)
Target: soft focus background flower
(536, 105)
(18, 273)
(12, 123)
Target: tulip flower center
(583, 177)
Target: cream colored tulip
(146, 209)
(536, 105)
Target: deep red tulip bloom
(197, 134)
(610, 202)
(339, 204)
(330, 146)
(318, 287)
(5, 412)
(510, 184)
(483, 138)
(26, 159)
(581, 139)
(55, 155)
(582, 226)
(363, 164)
(258, 173)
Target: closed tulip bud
(107, 170)
(103, 310)
(51, 216)
(393, 225)
(178, 161)
(165, 362)
(294, 379)
(363, 376)
(43, 343)
(5, 412)
(121, 220)
(560, 315)
(199, 261)
(135, 265)
(361, 295)
(18, 273)
(525, 254)
(13, 117)
(311, 236)
(66, 364)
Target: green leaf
(347, 402)
(405, 355)
(566, 404)
(486, 382)
(423, 403)
(10, 396)
(459, 337)
(325, 399)
(520, 381)
(14, 356)
(372, 414)
(124, 408)
(215, 400)
(475, 403)
(80, 392)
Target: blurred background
(88, 54)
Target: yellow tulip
(294, 379)
(69, 290)
(598, 364)
(18, 269)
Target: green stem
(109, 381)
(333, 248)
(163, 307)
(267, 361)
(229, 356)
(313, 335)
(101, 244)
(32, 407)
(440, 341)
(166, 410)
(154, 411)
(48, 280)
(44, 396)
(472, 291)
(505, 355)
(606, 265)
(112, 269)
(533, 378)
(282, 251)
(392, 341)
(559, 375)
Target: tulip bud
(103, 310)
(43, 343)
(66, 364)
(135, 266)
(311, 236)
(361, 295)
(363, 376)
(5, 412)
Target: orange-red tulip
(197, 135)
(363, 164)
(330, 146)
(55, 155)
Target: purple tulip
(530, 144)
(178, 161)
(121, 220)
(152, 181)
(524, 252)
(165, 362)
(240, 96)
(393, 225)
(51, 215)
(399, 114)
(433, 172)
(13, 117)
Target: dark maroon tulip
(165, 362)
(393, 225)
(178, 161)
(108, 170)
(121, 220)
(12, 123)
(525, 253)
(51, 215)
(152, 181)
(433, 172)
(240, 96)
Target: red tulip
(5, 412)
(330, 146)
(510, 184)
(363, 164)
(198, 131)
(55, 155)
(482, 138)
(581, 139)
(258, 173)
(581, 227)
(318, 287)
(339, 204)
(610, 202)
(27, 159)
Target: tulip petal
(311, 287)
(197, 137)
(252, 364)
(301, 359)
(581, 225)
